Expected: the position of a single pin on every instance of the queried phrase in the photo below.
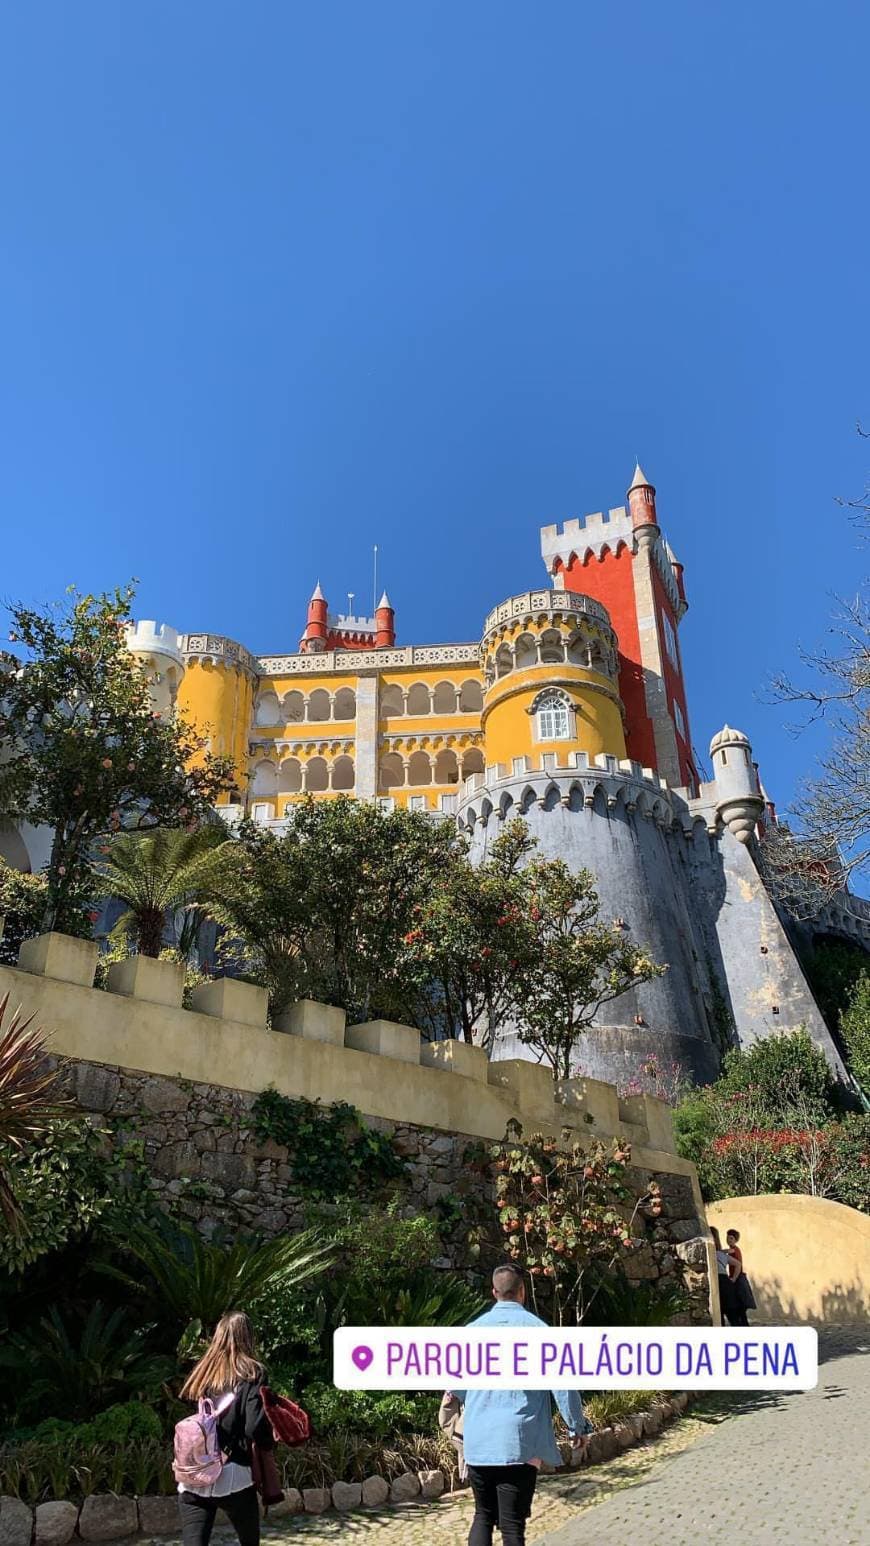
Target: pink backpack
(198, 1460)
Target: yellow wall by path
(808, 1259)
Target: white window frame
(671, 646)
(417, 802)
(547, 705)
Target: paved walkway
(779, 1469)
(783, 1468)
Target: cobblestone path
(447, 1523)
(783, 1468)
(779, 1468)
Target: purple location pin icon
(362, 1357)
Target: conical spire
(385, 602)
(640, 479)
(317, 593)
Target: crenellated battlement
(575, 782)
(586, 534)
(384, 1069)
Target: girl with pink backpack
(216, 1449)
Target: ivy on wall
(331, 1151)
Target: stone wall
(182, 1082)
(206, 1164)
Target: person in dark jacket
(229, 1365)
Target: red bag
(264, 1474)
(290, 1425)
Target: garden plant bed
(109, 1516)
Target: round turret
(550, 679)
(157, 647)
(641, 498)
(385, 624)
(739, 801)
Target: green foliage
(470, 937)
(696, 1124)
(833, 968)
(192, 1280)
(81, 1368)
(119, 1424)
(159, 872)
(332, 1152)
(64, 1185)
(30, 1099)
(87, 753)
(22, 905)
(122, 1449)
(320, 910)
(787, 1076)
(855, 1028)
(378, 1415)
(773, 1122)
(617, 1301)
(519, 939)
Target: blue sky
(279, 281)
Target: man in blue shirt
(508, 1434)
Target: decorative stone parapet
(228, 999)
(316, 1022)
(159, 982)
(61, 957)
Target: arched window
(419, 701)
(445, 698)
(265, 780)
(319, 706)
(553, 716)
(290, 776)
(525, 651)
(343, 773)
(267, 709)
(345, 704)
(392, 701)
(392, 771)
(294, 708)
(470, 697)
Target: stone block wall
(182, 1082)
(206, 1164)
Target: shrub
(193, 1282)
(786, 1074)
(22, 904)
(855, 1027)
(64, 1185)
(565, 1215)
(81, 1366)
(369, 1412)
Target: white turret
(156, 647)
(739, 800)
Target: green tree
(472, 937)
(158, 872)
(577, 964)
(322, 910)
(86, 753)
